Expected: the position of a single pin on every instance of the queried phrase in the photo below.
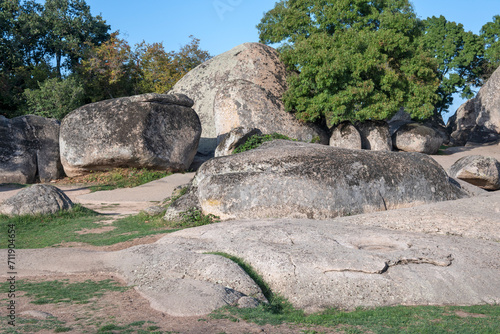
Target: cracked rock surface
(314, 264)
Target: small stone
(154, 210)
(375, 135)
(235, 138)
(36, 314)
(248, 302)
(345, 135)
(414, 137)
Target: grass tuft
(53, 292)
(257, 140)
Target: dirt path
(118, 202)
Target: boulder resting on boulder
(154, 131)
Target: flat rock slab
(314, 264)
(476, 217)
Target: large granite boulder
(36, 199)
(242, 87)
(480, 171)
(300, 180)
(478, 120)
(375, 135)
(29, 149)
(240, 103)
(154, 131)
(415, 137)
(345, 135)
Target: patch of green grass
(15, 185)
(194, 217)
(53, 292)
(266, 290)
(46, 230)
(397, 319)
(257, 140)
(442, 150)
(134, 327)
(24, 325)
(123, 178)
(62, 329)
(52, 230)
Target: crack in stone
(404, 261)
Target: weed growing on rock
(257, 140)
(194, 217)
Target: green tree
(55, 98)
(459, 54)
(114, 69)
(33, 37)
(190, 56)
(22, 59)
(490, 33)
(160, 70)
(109, 70)
(352, 59)
(70, 30)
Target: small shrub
(194, 217)
(55, 98)
(257, 140)
(316, 140)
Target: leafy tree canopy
(34, 37)
(70, 29)
(490, 33)
(57, 56)
(353, 59)
(459, 55)
(114, 68)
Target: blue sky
(222, 24)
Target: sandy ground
(126, 307)
(452, 154)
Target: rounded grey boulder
(235, 138)
(375, 135)
(29, 149)
(414, 137)
(480, 171)
(154, 131)
(300, 180)
(477, 121)
(345, 135)
(37, 199)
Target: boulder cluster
(292, 199)
(212, 110)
